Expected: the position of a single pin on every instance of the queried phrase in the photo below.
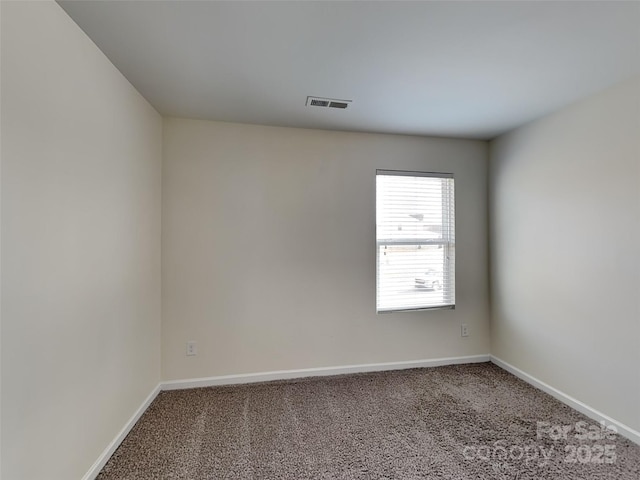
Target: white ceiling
(463, 69)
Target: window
(415, 223)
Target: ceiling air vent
(327, 102)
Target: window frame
(448, 206)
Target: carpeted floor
(457, 422)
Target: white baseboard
(317, 372)
(106, 454)
(581, 407)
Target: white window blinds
(415, 236)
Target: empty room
(319, 240)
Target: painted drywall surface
(81, 167)
(565, 257)
(269, 257)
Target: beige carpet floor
(456, 422)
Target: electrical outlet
(191, 349)
(464, 330)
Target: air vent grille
(327, 102)
(319, 103)
(338, 104)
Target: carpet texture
(456, 422)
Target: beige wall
(269, 249)
(81, 167)
(565, 238)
